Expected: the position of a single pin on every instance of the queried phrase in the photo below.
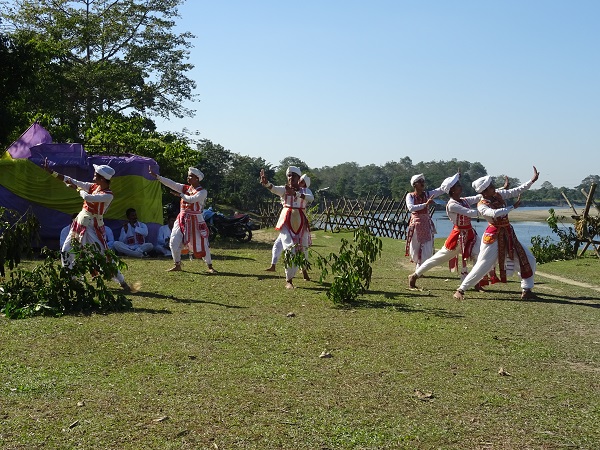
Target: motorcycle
(238, 226)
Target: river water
(524, 230)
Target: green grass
(213, 361)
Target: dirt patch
(568, 281)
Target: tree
(118, 56)
(242, 183)
(587, 181)
(215, 163)
(280, 176)
(22, 71)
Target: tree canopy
(98, 57)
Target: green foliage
(351, 267)
(545, 249)
(98, 57)
(52, 290)
(16, 235)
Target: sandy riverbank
(540, 215)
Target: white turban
(306, 180)
(105, 172)
(416, 178)
(480, 184)
(449, 182)
(194, 171)
(293, 169)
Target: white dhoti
(487, 259)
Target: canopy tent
(25, 185)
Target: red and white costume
(419, 237)
(88, 226)
(190, 232)
(499, 242)
(293, 226)
(463, 239)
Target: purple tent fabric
(36, 145)
(34, 135)
(127, 164)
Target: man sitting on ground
(132, 240)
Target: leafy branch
(50, 289)
(351, 267)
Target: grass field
(218, 362)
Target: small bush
(545, 249)
(50, 289)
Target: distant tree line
(98, 72)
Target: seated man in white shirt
(162, 247)
(132, 240)
(65, 232)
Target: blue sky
(507, 83)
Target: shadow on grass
(182, 300)
(507, 296)
(393, 301)
(233, 245)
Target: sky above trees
(509, 84)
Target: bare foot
(271, 268)
(289, 285)
(459, 295)
(175, 268)
(305, 275)
(528, 294)
(412, 281)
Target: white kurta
(293, 226)
(421, 229)
(88, 227)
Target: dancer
(419, 237)
(292, 224)
(499, 242)
(463, 240)
(88, 226)
(304, 184)
(190, 232)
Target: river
(525, 230)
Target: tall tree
(118, 56)
(215, 163)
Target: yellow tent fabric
(34, 184)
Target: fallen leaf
(81, 403)
(135, 287)
(423, 395)
(290, 314)
(503, 372)
(325, 354)
(161, 419)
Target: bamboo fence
(384, 216)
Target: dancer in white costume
(499, 242)
(463, 238)
(419, 236)
(463, 242)
(88, 226)
(190, 232)
(304, 184)
(292, 224)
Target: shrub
(50, 289)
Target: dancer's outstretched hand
(536, 175)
